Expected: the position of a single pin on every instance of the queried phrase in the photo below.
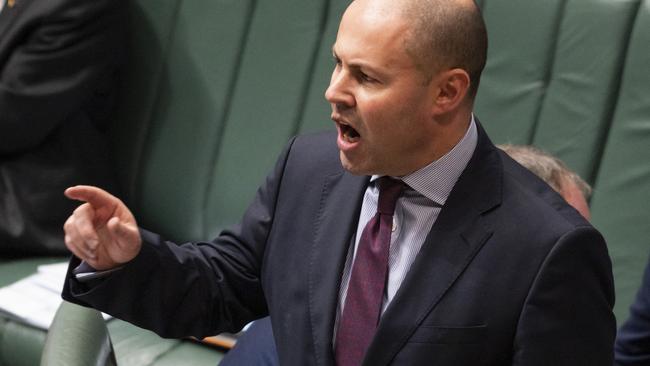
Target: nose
(339, 92)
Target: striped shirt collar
(436, 180)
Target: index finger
(97, 197)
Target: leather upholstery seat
(78, 337)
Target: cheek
(381, 112)
(374, 115)
(392, 116)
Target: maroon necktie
(369, 274)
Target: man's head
(555, 173)
(403, 86)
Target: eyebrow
(359, 66)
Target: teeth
(350, 134)
(346, 134)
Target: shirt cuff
(85, 273)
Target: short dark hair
(447, 33)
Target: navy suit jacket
(509, 273)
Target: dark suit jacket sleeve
(197, 289)
(633, 340)
(54, 65)
(567, 319)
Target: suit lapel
(457, 235)
(341, 199)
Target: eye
(365, 78)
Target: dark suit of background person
(510, 274)
(58, 63)
(633, 338)
(254, 347)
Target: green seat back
(581, 93)
(522, 37)
(621, 201)
(267, 98)
(78, 337)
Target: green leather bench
(214, 89)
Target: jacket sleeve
(567, 317)
(195, 289)
(60, 60)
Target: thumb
(126, 236)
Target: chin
(360, 167)
(351, 167)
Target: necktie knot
(389, 191)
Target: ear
(452, 87)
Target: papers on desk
(34, 300)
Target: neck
(451, 129)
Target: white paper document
(35, 299)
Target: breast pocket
(449, 334)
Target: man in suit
(484, 265)
(58, 68)
(256, 345)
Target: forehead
(374, 33)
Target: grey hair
(549, 168)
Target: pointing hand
(102, 231)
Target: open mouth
(349, 134)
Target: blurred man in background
(555, 173)
(59, 61)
